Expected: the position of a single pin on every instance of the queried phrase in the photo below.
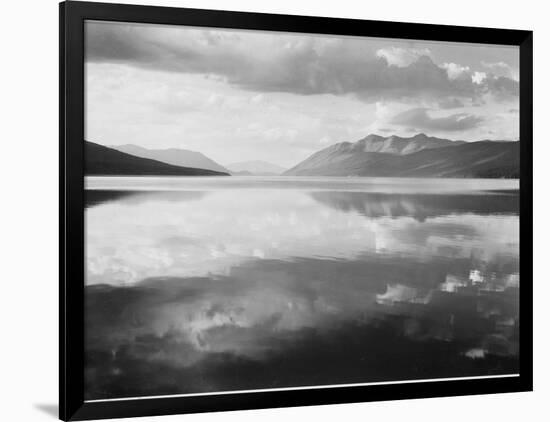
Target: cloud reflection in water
(236, 289)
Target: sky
(238, 95)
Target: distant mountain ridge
(417, 156)
(256, 167)
(398, 145)
(104, 161)
(175, 156)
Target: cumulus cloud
(502, 69)
(455, 71)
(502, 87)
(402, 57)
(478, 77)
(420, 119)
(303, 65)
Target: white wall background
(28, 209)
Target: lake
(210, 284)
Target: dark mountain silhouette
(104, 161)
(174, 156)
(419, 156)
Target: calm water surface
(213, 284)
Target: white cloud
(299, 64)
(173, 110)
(502, 69)
(420, 119)
(273, 98)
(479, 77)
(455, 71)
(402, 57)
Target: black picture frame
(72, 15)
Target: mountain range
(257, 168)
(187, 158)
(417, 156)
(373, 156)
(104, 161)
(174, 156)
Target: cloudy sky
(249, 95)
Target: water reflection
(420, 206)
(192, 291)
(135, 197)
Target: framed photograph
(266, 210)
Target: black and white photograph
(268, 211)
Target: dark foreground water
(213, 284)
